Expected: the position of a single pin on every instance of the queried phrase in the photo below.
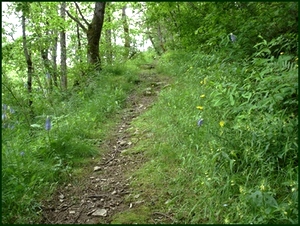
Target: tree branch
(87, 23)
(77, 21)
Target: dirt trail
(101, 194)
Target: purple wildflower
(200, 122)
(4, 116)
(4, 107)
(11, 126)
(11, 110)
(48, 123)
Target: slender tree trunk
(29, 64)
(161, 41)
(109, 53)
(156, 47)
(94, 34)
(78, 42)
(78, 50)
(63, 56)
(54, 54)
(54, 63)
(47, 66)
(108, 39)
(126, 33)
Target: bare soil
(101, 194)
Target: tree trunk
(161, 40)
(47, 66)
(126, 33)
(94, 34)
(29, 64)
(54, 55)
(156, 47)
(63, 56)
(78, 50)
(108, 39)
(109, 53)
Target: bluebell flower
(4, 116)
(11, 110)
(200, 122)
(11, 126)
(232, 37)
(48, 123)
(4, 107)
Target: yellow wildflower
(202, 96)
(200, 107)
(262, 187)
(221, 123)
(203, 82)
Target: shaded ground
(104, 192)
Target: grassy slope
(240, 166)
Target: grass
(138, 215)
(240, 165)
(36, 161)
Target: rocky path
(101, 194)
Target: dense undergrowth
(223, 139)
(37, 158)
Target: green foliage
(241, 164)
(35, 161)
(284, 44)
(191, 25)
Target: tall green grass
(35, 160)
(240, 165)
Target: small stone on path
(97, 168)
(100, 213)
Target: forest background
(228, 124)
